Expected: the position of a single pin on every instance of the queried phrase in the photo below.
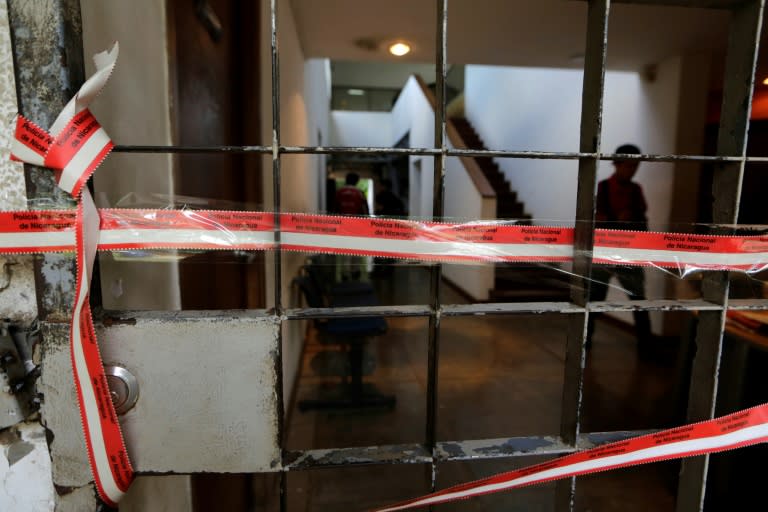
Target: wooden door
(217, 83)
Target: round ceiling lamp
(399, 49)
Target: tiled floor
(499, 376)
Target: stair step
(535, 271)
(514, 215)
(482, 160)
(507, 204)
(468, 134)
(493, 171)
(520, 220)
(506, 197)
(497, 179)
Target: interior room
(370, 374)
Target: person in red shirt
(621, 205)
(350, 200)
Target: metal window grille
(729, 162)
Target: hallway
(499, 376)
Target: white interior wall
(413, 114)
(392, 75)
(530, 109)
(540, 109)
(304, 110)
(366, 129)
(317, 90)
(462, 202)
(134, 108)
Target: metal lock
(123, 387)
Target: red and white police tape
(76, 145)
(477, 241)
(743, 428)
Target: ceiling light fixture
(399, 49)
(765, 82)
(356, 92)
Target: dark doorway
(217, 84)
(752, 208)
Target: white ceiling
(506, 32)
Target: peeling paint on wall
(206, 401)
(17, 290)
(25, 469)
(12, 194)
(26, 480)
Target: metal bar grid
(589, 155)
(451, 451)
(589, 142)
(451, 152)
(277, 255)
(731, 158)
(743, 42)
(511, 308)
(435, 271)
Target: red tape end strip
(73, 153)
(736, 430)
(107, 454)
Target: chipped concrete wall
(25, 469)
(17, 284)
(207, 400)
(197, 409)
(26, 481)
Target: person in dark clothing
(387, 202)
(350, 200)
(621, 205)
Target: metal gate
(42, 91)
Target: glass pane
(483, 358)
(360, 381)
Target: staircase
(507, 204)
(521, 282)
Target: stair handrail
(476, 174)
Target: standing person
(387, 202)
(621, 205)
(350, 200)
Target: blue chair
(352, 334)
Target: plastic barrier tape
(74, 147)
(492, 241)
(743, 428)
